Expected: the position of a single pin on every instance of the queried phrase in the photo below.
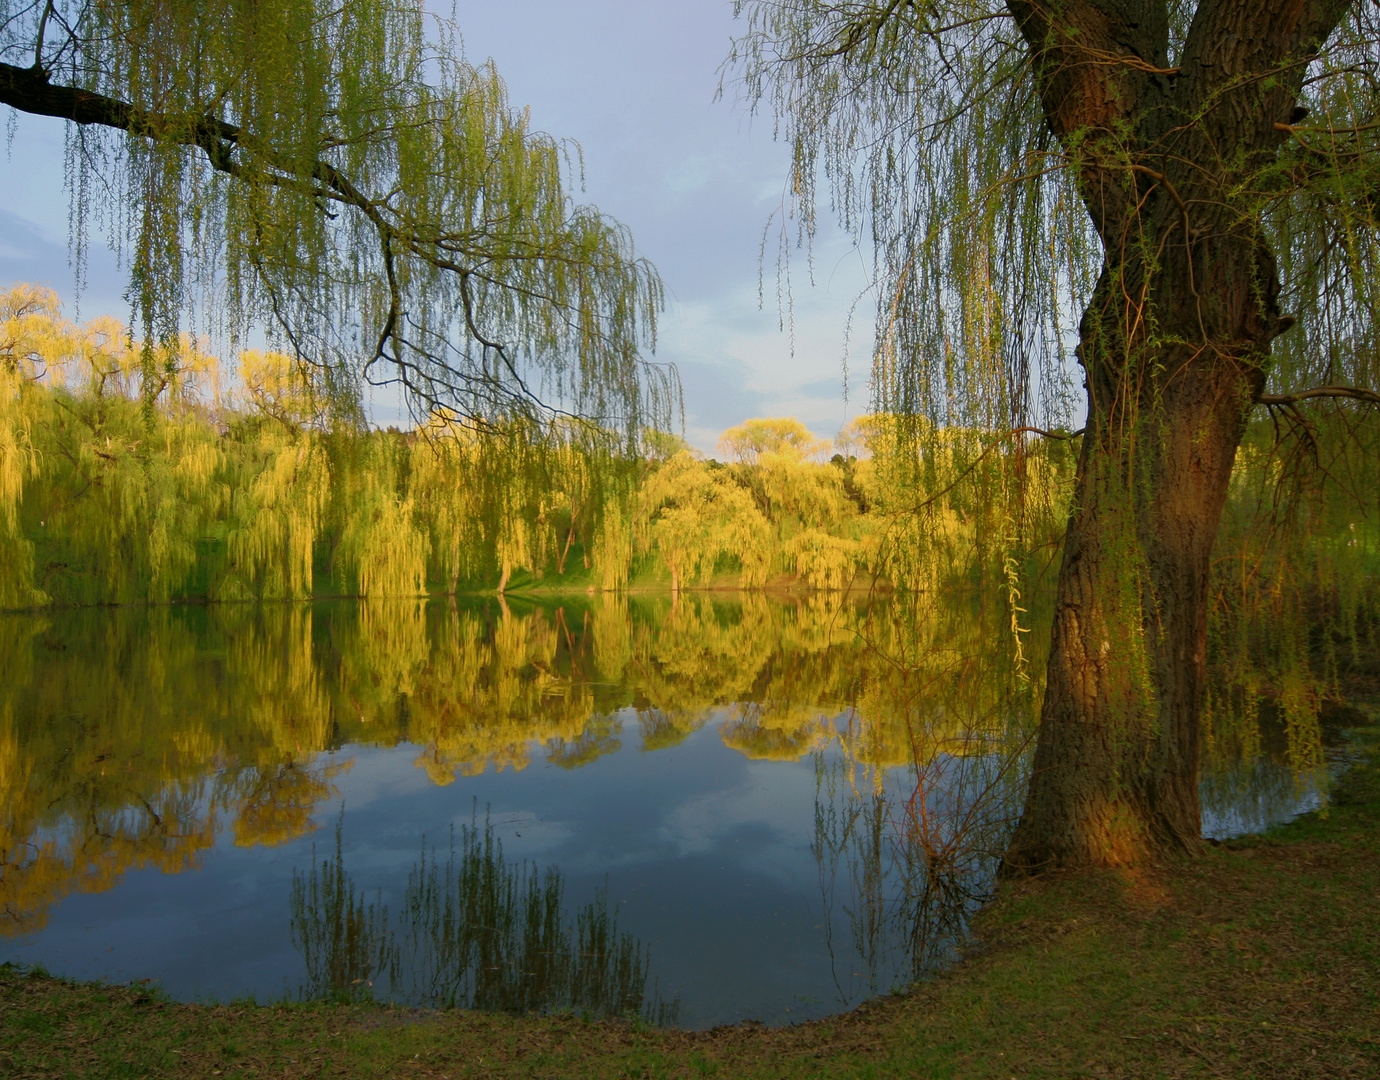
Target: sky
(697, 180)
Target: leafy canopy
(926, 123)
(338, 173)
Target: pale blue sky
(697, 181)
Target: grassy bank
(1261, 959)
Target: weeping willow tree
(694, 516)
(805, 504)
(339, 175)
(24, 315)
(1179, 172)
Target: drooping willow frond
(340, 174)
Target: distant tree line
(266, 487)
(261, 486)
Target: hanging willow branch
(357, 186)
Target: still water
(701, 812)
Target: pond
(717, 809)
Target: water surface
(704, 811)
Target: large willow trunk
(1115, 778)
(1171, 158)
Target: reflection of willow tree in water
(124, 746)
(74, 810)
(472, 931)
(907, 854)
(128, 738)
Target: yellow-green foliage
(474, 688)
(817, 532)
(133, 474)
(1296, 604)
(274, 384)
(613, 547)
(694, 515)
(115, 500)
(381, 546)
(255, 494)
(277, 517)
(450, 494)
(825, 561)
(785, 436)
(27, 318)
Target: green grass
(1261, 959)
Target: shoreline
(776, 589)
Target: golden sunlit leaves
(784, 436)
(129, 738)
(693, 515)
(279, 386)
(113, 489)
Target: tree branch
(29, 91)
(1351, 392)
(1048, 434)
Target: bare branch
(1061, 435)
(1352, 392)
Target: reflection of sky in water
(705, 852)
(1250, 798)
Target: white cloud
(692, 174)
(763, 812)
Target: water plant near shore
(473, 930)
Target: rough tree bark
(1175, 346)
